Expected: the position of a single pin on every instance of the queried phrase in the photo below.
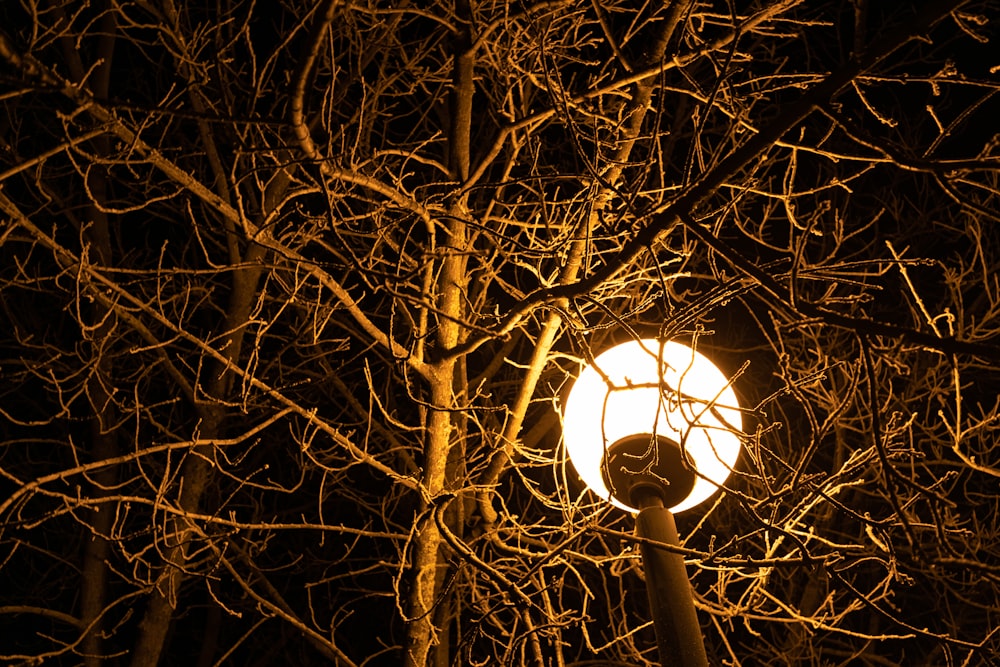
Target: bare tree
(291, 295)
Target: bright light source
(670, 391)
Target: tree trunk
(196, 473)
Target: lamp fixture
(654, 416)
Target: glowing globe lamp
(652, 417)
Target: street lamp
(652, 427)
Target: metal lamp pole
(678, 634)
(651, 484)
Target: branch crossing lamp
(653, 427)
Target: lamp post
(652, 427)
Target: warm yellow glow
(689, 402)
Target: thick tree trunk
(196, 473)
(422, 635)
(178, 540)
(99, 332)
